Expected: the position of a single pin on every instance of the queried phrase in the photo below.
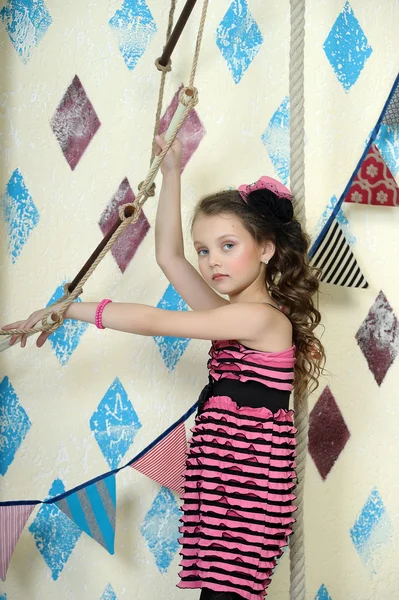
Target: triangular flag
(374, 182)
(93, 509)
(391, 116)
(13, 518)
(165, 462)
(336, 260)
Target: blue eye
(200, 252)
(228, 244)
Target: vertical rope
(297, 122)
(198, 43)
(297, 182)
(164, 71)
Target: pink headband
(265, 183)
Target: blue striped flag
(93, 509)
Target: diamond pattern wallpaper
(78, 95)
(347, 48)
(19, 213)
(26, 22)
(127, 245)
(74, 122)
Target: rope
(198, 43)
(297, 181)
(164, 70)
(189, 98)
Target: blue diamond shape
(322, 594)
(171, 348)
(276, 138)
(372, 532)
(19, 212)
(66, 338)
(160, 529)
(238, 38)
(341, 218)
(26, 21)
(108, 593)
(115, 424)
(14, 424)
(54, 533)
(347, 48)
(134, 26)
(387, 141)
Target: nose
(214, 259)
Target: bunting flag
(93, 509)
(13, 518)
(374, 182)
(92, 505)
(336, 260)
(166, 460)
(391, 116)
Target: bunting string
(370, 183)
(92, 504)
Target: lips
(218, 276)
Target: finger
(24, 340)
(43, 337)
(9, 326)
(160, 141)
(27, 325)
(16, 325)
(14, 339)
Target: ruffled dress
(238, 499)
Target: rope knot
(188, 96)
(129, 211)
(164, 68)
(67, 293)
(147, 193)
(57, 321)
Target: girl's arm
(169, 245)
(247, 322)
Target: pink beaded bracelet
(99, 313)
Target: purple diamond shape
(378, 337)
(328, 433)
(74, 122)
(191, 132)
(126, 246)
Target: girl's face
(229, 258)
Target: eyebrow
(224, 235)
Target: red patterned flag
(374, 182)
(166, 460)
(12, 521)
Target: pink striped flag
(166, 461)
(12, 521)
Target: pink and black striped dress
(238, 500)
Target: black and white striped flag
(391, 116)
(336, 260)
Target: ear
(268, 249)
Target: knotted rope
(130, 213)
(297, 181)
(164, 71)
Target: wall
(91, 400)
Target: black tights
(211, 595)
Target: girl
(238, 501)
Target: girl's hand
(35, 318)
(172, 160)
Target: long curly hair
(289, 279)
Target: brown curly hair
(289, 278)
